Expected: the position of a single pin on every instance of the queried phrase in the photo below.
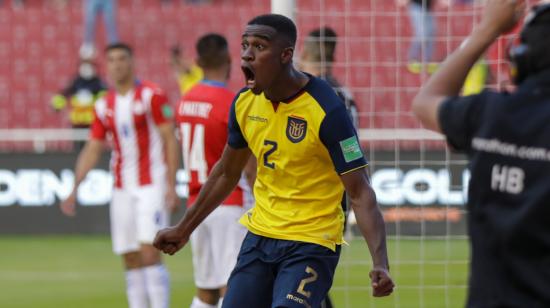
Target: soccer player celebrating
(506, 136)
(308, 153)
(137, 116)
(202, 117)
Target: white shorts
(136, 216)
(215, 244)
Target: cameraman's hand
(501, 16)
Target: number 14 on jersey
(193, 151)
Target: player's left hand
(382, 284)
(172, 200)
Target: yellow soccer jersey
(188, 80)
(302, 145)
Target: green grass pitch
(81, 271)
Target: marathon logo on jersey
(257, 119)
(296, 129)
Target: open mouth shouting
(249, 76)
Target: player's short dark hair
(320, 44)
(282, 24)
(120, 45)
(535, 36)
(212, 50)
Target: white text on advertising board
(393, 186)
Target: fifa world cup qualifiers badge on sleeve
(351, 149)
(167, 111)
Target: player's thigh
(152, 214)
(123, 222)
(251, 282)
(305, 277)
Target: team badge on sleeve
(351, 149)
(296, 129)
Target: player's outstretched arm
(372, 227)
(500, 16)
(220, 183)
(87, 159)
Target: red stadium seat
(39, 47)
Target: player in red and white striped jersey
(137, 117)
(202, 117)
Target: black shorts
(280, 273)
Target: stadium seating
(39, 46)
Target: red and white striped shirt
(132, 120)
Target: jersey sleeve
(459, 118)
(235, 137)
(97, 129)
(340, 138)
(160, 108)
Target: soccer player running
(308, 153)
(506, 137)
(138, 118)
(202, 117)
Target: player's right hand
(503, 15)
(68, 205)
(169, 240)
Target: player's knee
(149, 255)
(223, 290)
(209, 296)
(132, 260)
(197, 303)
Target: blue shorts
(273, 273)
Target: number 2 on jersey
(273, 148)
(193, 151)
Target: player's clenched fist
(169, 240)
(382, 284)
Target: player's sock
(197, 303)
(220, 302)
(135, 288)
(157, 281)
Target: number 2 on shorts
(305, 281)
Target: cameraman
(507, 139)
